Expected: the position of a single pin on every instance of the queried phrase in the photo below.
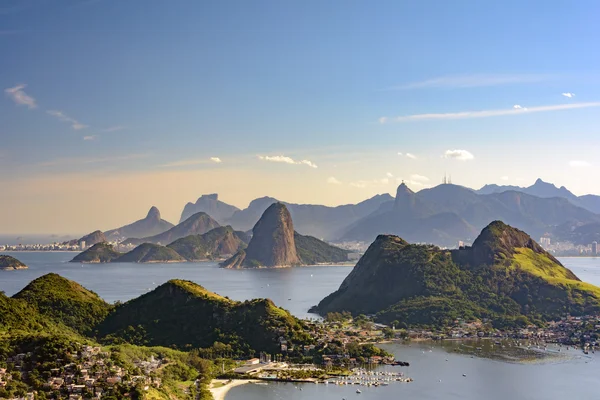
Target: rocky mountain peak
(153, 214)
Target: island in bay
(8, 263)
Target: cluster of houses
(91, 373)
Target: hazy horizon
(111, 107)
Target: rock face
(274, 243)
(98, 253)
(211, 205)
(153, 224)
(197, 224)
(505, 276)
(8, 263)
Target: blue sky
(129, 94)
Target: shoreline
(220, 392)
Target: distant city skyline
(111, 107)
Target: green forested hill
(148, 252)
(181, 313)
(98, 253)
(65, 302)
(504, 276)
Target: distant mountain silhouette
(197, 224)
(315, 220)
(448, 213)
(149, 226)
(210, 204)
(545, 190)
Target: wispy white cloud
(569, 95)
(333, 181)
(18, 95)
(216, 160)
(408, 155)
(504, 178)
(493, 113)
(90, 137)
(65, 118)
(579, 164)
(389, 175)
(475, 80)
(461, 155)
(383, 120)
(419, 178)
(517, 107)
(287, 160)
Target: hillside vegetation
(184, 314)
(504, 276)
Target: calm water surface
(576, 377)
(295, 289)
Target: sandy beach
(220, 392)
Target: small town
(88, 373)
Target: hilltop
(197, 224)
(505, 276)
(180, 313)
(151, 225)
(98, 253)
(65, 302)
(274, 243)
(448, 213)
(218, 243)
(8, 263)
(150, 253)
(211, 205)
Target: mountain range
(323, 222)
(274, 243)
(448, 213)
(505, 276)
(543, 189)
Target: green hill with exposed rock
(505, 276)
